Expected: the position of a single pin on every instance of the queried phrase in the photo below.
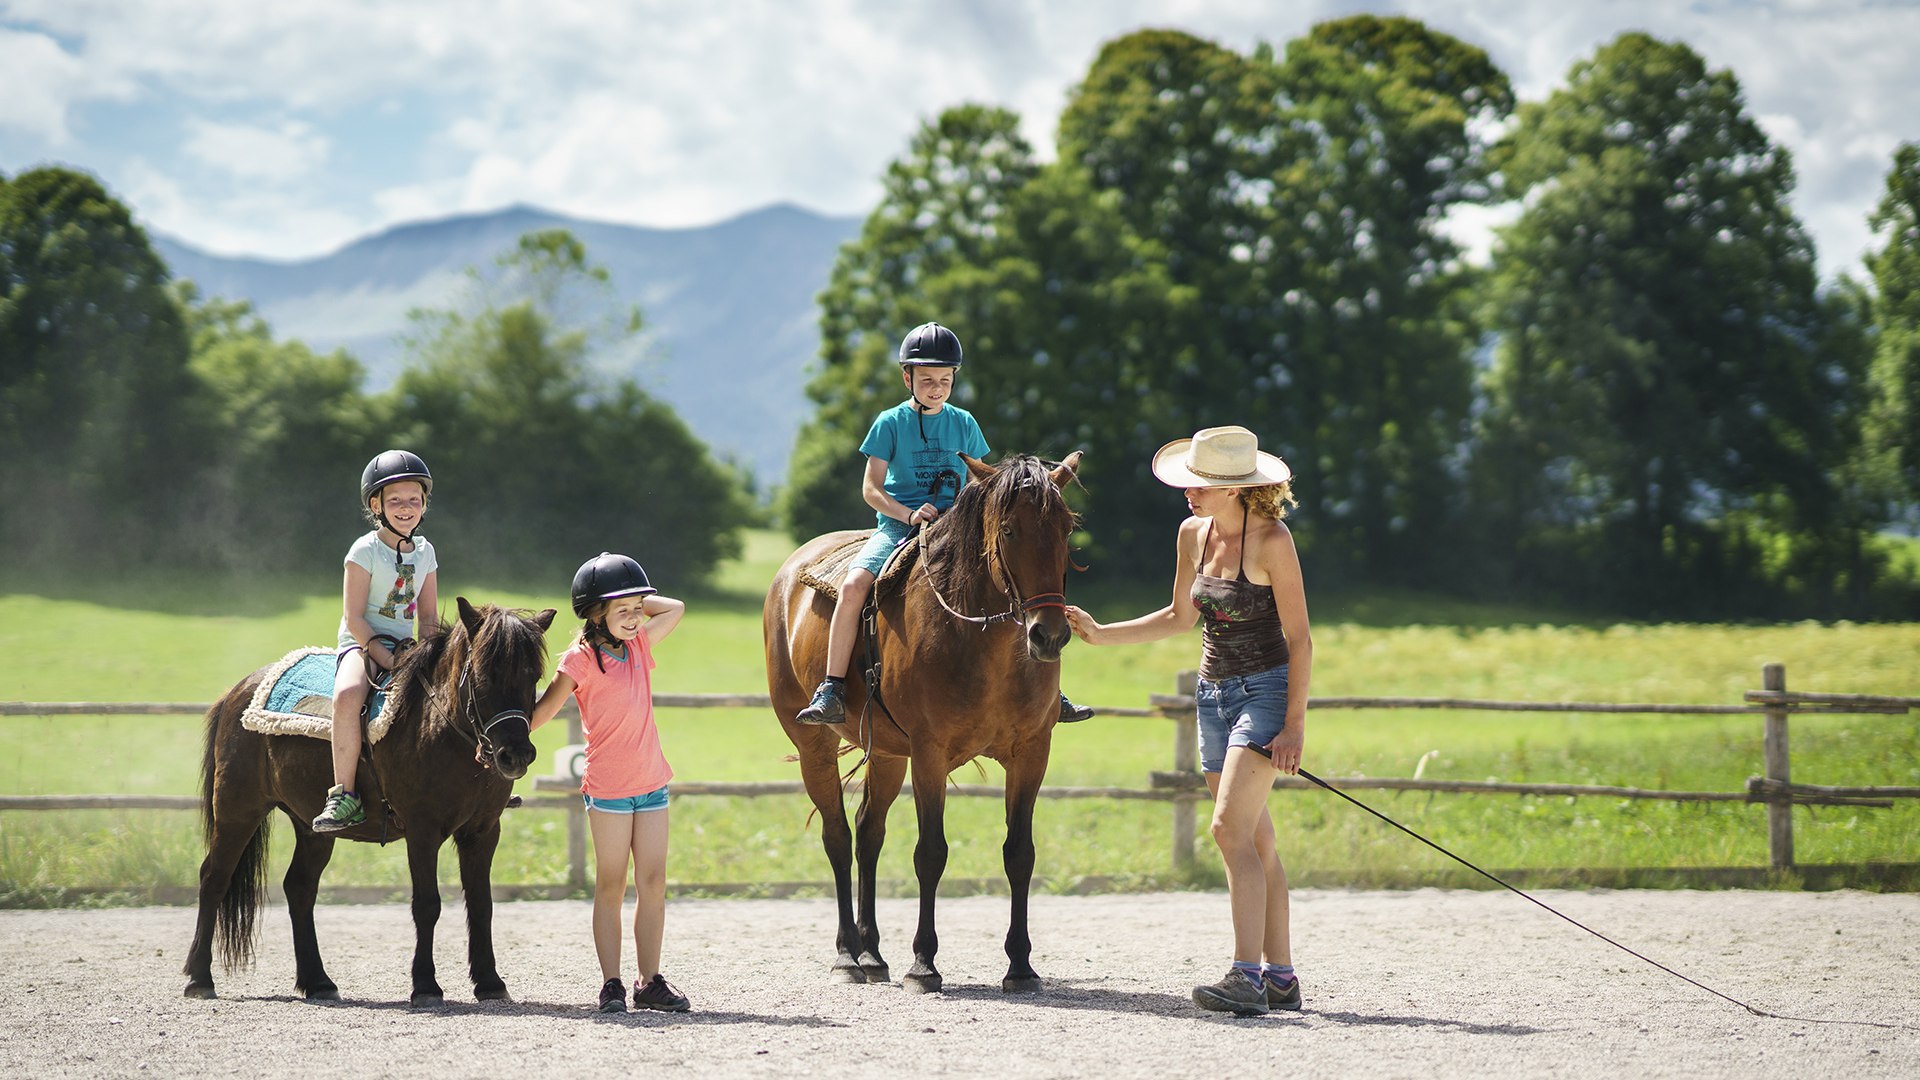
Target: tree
(287, 433)
(1367, 345)
(539, 465)
(1893, 419)
(97, 406)
(940, 214)
(1664, 383)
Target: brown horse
(446, 767)
(969, 650)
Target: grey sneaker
(829, 705)
(1282, 995)
(1236, 994)
(659, 994)
(344, 810)
(1073, 714)
(613, 996)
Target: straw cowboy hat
(1219, 457)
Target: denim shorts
(636, 804)
(880, 545)
(1244, 710)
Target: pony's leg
(1024, 775)
(423, 856)
(229, 876)
(476, 883)
(819, 771)
(929, 863)
(884, 776)
(311, 853)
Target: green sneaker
(344, 810)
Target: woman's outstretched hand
(1084, 626)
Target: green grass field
(185, 638)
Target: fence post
(1773, 678)
(1186, 756)
(576, 819)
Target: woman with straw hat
(1238, 573)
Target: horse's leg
(929, 863)
(236, 851)
(423, 856)
(884, 776)
(1024, 775)
(476, 883)
(311, 853)
(819, 772)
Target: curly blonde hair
(1269, 500)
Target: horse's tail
(247, 887)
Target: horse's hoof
(1025, 984)
(428, 1001)
(922, 984)
(876, 973)
(846, 971)
(492, 993)
(324, 993)
(203, 991)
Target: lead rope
(1523, 895)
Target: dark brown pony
(969, 648)
(446, 766)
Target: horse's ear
(545, 618)
(469, 617)
(978, 469)
(1067, 470)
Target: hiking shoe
(829, 706)
(1073, 714)
(659, 994)
(1236, 994)
(344, 810)
(613, 996)
(1282, 995)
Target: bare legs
(620, 840)
(845, 627)
(349, 694)
(1256, 881)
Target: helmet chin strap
(405, 538)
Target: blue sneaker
(829, 705)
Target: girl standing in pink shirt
(625, 784)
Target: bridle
(484, 746)
(1003, 578)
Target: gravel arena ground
(1398, 984)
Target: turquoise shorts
(880, 545)
(634, 804)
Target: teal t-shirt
(920, 448)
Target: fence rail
(1183, 786)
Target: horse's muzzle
(1047, 634)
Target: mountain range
(730, 311)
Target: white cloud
(366, 112)
(288, 152)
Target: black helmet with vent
(930, 345)
(607, 576)
(391, 466)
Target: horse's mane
(426, 698)
(955, 540)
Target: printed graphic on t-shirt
(933, 467)
(401, 597)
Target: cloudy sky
(291, 127)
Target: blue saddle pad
(305, 688)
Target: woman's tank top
(1239, 623)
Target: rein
(1016, 607)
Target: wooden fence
(1183, 786)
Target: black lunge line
(1578, 923)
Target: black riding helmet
(930, 345)
(607, 576)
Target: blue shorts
(880, 545)
(636, 804)
(1245, 710)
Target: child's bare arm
(549, 704)
(663, 614)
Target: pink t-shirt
(616, 711)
